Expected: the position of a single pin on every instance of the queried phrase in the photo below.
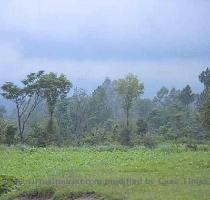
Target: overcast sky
(165, 42)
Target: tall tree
(205, 112)
(204, 78)
(129, 89)
(100, 109)
(186, 96)
(78, 112)
(26, 98)
(161, 95)
(54, 87)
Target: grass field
(165, 173)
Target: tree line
(115, 113)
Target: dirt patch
(35, 198)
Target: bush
(142, 127)
(97, 136)
(192, 147)
(10, 134)
(149, 142)
(125, 138)
(110, 148)
(8, 183)
(44, 134)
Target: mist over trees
(114, 113)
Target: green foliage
(97, 136)
(191, 146)
(204, 78)
(168, 161)
(26, 98)
(125, 136)
(129, 89)
(54, 87)
(44, 192)
(7, 132)
(97, 118)
(142, 127)
(10, 134)
(159, 99)
(149, 141)
(100, 110)
(8, 183)
(44, 134)
(186, 96)
(2, 112)
(205, 112)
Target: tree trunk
(127, 117)
(19, 124)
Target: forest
(46, 109)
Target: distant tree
(129, 89)
(54, 87)
(204, 78)
(113, 98)
(26, 98)
(161, 95)
(78, 112)
(142, 108)
(62, 117)
(156, 119)
(186, 96)
(100, 109)
(205, 113)
(142, 127)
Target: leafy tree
(129, 89)
(204, 78)
(186, 96)
(161, 95)
(156, 119)
(100, 110)
(113, 98)
(26, 98)
(205, 111)
(62, 117)
(54, 87)
(142, 108)
(78, 112)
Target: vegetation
(110, 134)
(113, 114)
(168, 172)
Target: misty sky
(165, 42)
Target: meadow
(168, 172)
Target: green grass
(169, 172)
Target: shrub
(125, 138)
(142, 127)
(149, 141)
(97, 136)
(10, 134)
(8, 183)
(192, 147)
